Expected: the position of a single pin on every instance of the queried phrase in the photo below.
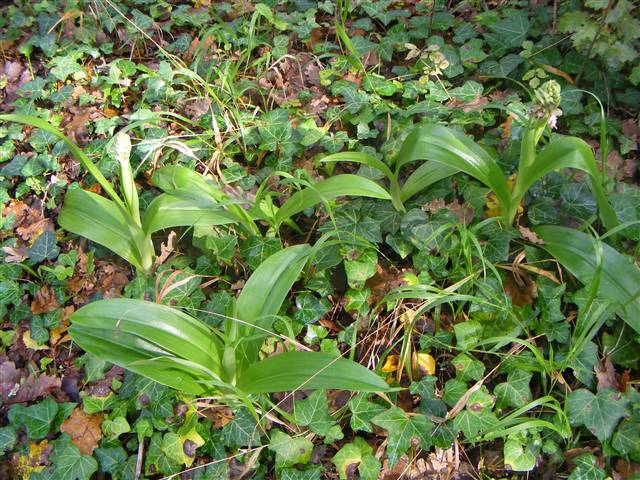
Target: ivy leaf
(587, 468)
(116, 427)
(359, 453)
(69, 463)
(471, 423)
(255, 249)
(360, 266)
(512, 30)
(312, 472)
(520, 453)
(290, 451)
(275, 130)
(515, 392)
(362, 411)
(626, 439)
(242, 430)
(313, 412)
(468, 368)
(44, 248)
(7, 439)
(453, 390)
(356, 220)
(36, 418)
(600, 412)
(65, 66)
(310, 309)
(111, 459)
(401, 429)
(467, 92)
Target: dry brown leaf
(522, 292)
(606, 374)
(529, 235)
(83, 429)
(15, 388)
(166, 249)
(56, 334)
(44, 301)
(474, 104)
(15, 255)
(558, 72)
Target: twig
(139, 459)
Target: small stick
(139, 459)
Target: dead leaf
(606, 374)
(424, 364)
(475, 104)
(529, 235)
(15, 388)
(390, 364)
(44, 301)
(15, 255)
(522, 291)
(558, 72)
(506, 127)
(83, 429)
(56, 334)
(166, 249)
(30, 343)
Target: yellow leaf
(425, 363)
(28, 464)
(30, 343)
(390, 364)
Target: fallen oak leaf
(44, 301)
(84, 430)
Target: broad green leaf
(263, 294)
(308, 370)
(360, 157)
(401, 430)
(173, 349)
(424, 176)
(185, 183)
(456, 151)
(290, 451)
(570, 152)
(101, 221)
(169, 210)
(329, 189)
(619, 280)
(599, 412)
